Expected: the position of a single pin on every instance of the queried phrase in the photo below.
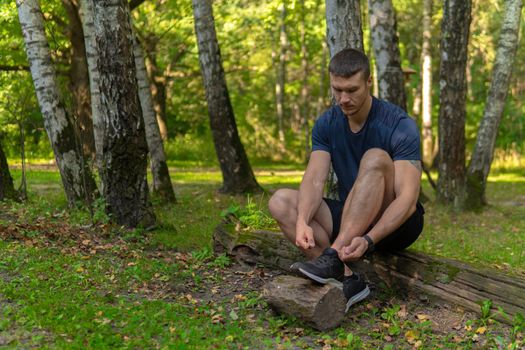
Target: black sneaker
(327, 268)
(355, 289)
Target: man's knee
(376, 159)
(280, 203)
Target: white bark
(160, 175)
(426, 90)
(386, 52)
(343, 25)
(58, 126)
(488, 130)
(86, 15)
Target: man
(373, 146)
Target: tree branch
(13, 68)
(133, 4)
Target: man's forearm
(310, 197)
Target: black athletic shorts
(400, 239)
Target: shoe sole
(357, 298)
(331, 281)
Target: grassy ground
(66, 285)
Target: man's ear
(369, 81)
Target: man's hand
(304, 236)
(355, 250)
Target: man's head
(351, 81)
(348, 62)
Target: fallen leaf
(481, 330)
(233, 315)
(402, 313)
(412, 336)
(422, 317)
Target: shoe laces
(326, 260)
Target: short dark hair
(348, 62)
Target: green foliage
(251, 215)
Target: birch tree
(482, 156)
(343, 25)
(124, 148)
(79, 78)
(75, 174)
(88, 27)
(159, 168)
(426, 82)
(281, 77)
(452, 82)
(343, 29)
(386, 52)
(7, 189)
(236, 171)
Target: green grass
(115, 289)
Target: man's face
(350, 93)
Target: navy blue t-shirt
(387, 127)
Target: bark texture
(159, 169)
(321, 306)
(386, 51)
(79, 78)
(343, 25)
(88, 27)
(481, 160)
(7, 189)
(343, 30)
(426, 82)
(76, 176)
(452, 83)
(124, 155)
(236, 171)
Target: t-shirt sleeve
(320, 135)
(405, 141)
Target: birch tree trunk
(386, 51)
(481, 160)
(426, 81)
(7, 189)
(305, 110)
(236, 171)
(159, 169)
(343, 30)
(343, 25)
(79, 78)
(124, 155)
(76, 176)
(281, 78)
(88, 27)
(454, 41)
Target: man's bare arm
(310, 196)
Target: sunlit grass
(493, 237)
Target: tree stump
(321, 306)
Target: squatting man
(374, 149)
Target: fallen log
(446, 279)
(321, 306)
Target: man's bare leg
(371, 194)
(283, 207)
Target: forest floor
(66, 282)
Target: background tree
(386, 52)
(454, 41)
(124, 155)
(237, 173)
(426, 82)
(159, 169)
(76, 175)
(280, 82)
(343, 25)
(7, 189)
(481, 160)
